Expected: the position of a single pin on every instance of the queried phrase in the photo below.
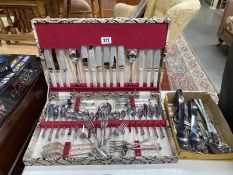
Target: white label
(106, 40)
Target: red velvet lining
(111, 123)
(76, 104)
(75, 35)
(83, 88)
(137, 150)
(66, 150)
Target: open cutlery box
(216, 118)
(102, 90)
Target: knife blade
(113, 65)
(84, 54)
(107, 65)
(57, 68)
(121, 64)
(62, 64)
(156, 65)
(149, 62)
(141, 67)
(50, 65)
(99, 64)
(93, 64)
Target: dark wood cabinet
(17, 128)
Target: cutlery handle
(162, 136)
(148, 78)
(122, 78)
(53, 78)
(94, 78)
(50, 135)
(43, 133)
(142, 131)
(114, 78)
(66, 78)
(78, 79)
(107, 77)
(155, 82)
(101, 78)
(57, 133)
(59, 76)
(156, 133)
(87, 75)
(140, 77)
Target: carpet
(185, 71)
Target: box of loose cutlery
(199, 128)
(103, 105)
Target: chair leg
(220, 41)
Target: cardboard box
(218, 118)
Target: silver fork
(120, 130)
(103, 125)
(82, 135)
(90, 126)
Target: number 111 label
(106, 40)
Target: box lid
(139, 34)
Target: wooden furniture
(17, 129)
(15, 24)
(19, 27)
(85, 13)
(226, 93)
(225, 31)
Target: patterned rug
(185, 71)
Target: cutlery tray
(162, 151)
(89, 63)
(215, 115)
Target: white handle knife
(121, 64)
(93, 65)
(157, 59)
(141, 67)
(50, 66)
(99, 65)
(61, 58)
(113, 65)
(107, 65)
(84, 54)
(149, 62)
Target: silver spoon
(75, 56)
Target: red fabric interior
(83, 88)
(137, 150)
(111, 123)
(66, 150)
(74, 35)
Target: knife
(141, 67)
(113, 65)
(149, 62)
(157, 59)
(92, 64)
(62, 64)
(84, 54)
(107, 65)
(99, 66)
(121, 64)
(50, 66)
(57, 68)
